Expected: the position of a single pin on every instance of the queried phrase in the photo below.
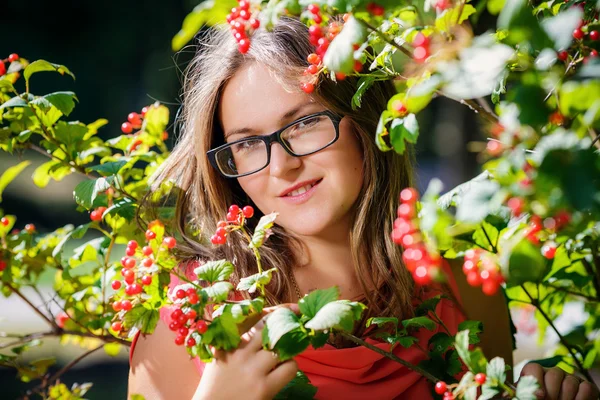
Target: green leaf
(43, 65)
(526, 264)
(76, 233)
(70, 134)
(219, 291)
(142, 318)
(261, 230)
(488, 392)
(298, 388)
(549, 362)
(86, 191)
(428, 305)
(496, 369)
(495, 6)
(156, 120)
(251, 283)
(63, 101)
(10, 174)
(419, 322)
(478, 201)
(533, 110)
(109, 168)
(26, 346)
(214, 271)
(382, 131)
(222, 333)
(364, 83)
(404, 129)
(440, 342)
(526, 388)
(474, 360)
(522, 26)
(311, 303)
(379, 321)
(474, 328)
(284, 333)
(340, 54)
(560, 27)
(208, 12)
(449, 18)
(13, 102)
(338, 314)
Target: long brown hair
(205, 195)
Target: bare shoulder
(161, 370)
(496, 340)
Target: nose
(281, 161)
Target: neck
(327, 261)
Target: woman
(336, 196)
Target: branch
(37, 311)
(24, 339)
(384, 37)
(584, 296)
(494, 249)
(77, 168)
(562, 339)
(391, 356)
(596, 138)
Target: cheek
(255, 187)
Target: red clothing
(360, 373)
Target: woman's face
(255, 101)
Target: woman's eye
(245, 146)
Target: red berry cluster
(544, 229)
(442, 387)
(134, 121)
(420, 44)
(581, 34)
(96, 215)
(137, 271)
(235, 219)
(424, 266)
(185, 322)
(482, 270)
(11, 58)
(240, 19)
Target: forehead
(254, 97)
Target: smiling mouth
(303, 189)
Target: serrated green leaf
(63, 101)
(264, 224)
(419, 322)
(338, 314)
(474, 328)
(311, 303)
(496, 370)
(526, 388)
(86, 191)
(208, 12)
(10, 174)
(252, 282)
(141, 318)
(219, 291)
(364, 83)
(284, 333)
(298, 388)
(156, 120)
(404, 129)
(109, 168)
(214, 271)
(43, 65)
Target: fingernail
(540, 394)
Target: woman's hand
(557, 384)
(248, 372)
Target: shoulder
(157, 363)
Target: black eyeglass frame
(276, 137)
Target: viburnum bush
(528, 225)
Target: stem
(46, 382)
(24, 339)
(596, 138)
(563, 341)
(37, 311)
(560, 289)
(391, 356)
(257, 256)
(494, 249)
(439, 321)
(473, 105)
(384, 37)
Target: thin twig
(35, 309)
(385, 37)
(488, 239)
(24, 339)
(584, 296)
(596, 137)
(391, 356)
(563, 341)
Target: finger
(292, 306)
(553, 379)
(281, 376)
(252, 340)
(587, 391)
(569, 388)
(267, 360)
(537, 371)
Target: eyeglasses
(302, 137)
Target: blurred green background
(120, 53)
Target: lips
(299, 188)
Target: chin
(309, 223)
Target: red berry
(4, 221)
(234, 209)
(313, 59)
(191, 315)
(116, 326)
(191, 342)
(312, 69)
(147, 250)
(480, 378)
(578, 34)
(409, 195)
(399, 107)
(144, 111)
(2, 68)
(126, 305)
(406, 211)
(420, 54)
(420, 40)
(129, 279)
(216, 239)
(135, 288)
(150, 235)
(180, 294)
(254, 23)
(440, 387)
(2, 265)
(147, 262)
(135, 119)
(179, 340)
(313, 8)
(193, 298)
(490, 287)
(235, 12)
(317, 18)
(562, 55)
(130, 263)
(593, 53)
(30, 228)
(146, 280)
(248, 211)
(549, 250)
(448, 396)
(358, 66)
(308, 87)
(469, 266)
(116, 285)
(556, 118)
(132, 244)
(221, 224)
(245, 15)
(61, 319)
(130, 252)
(13, 57)
(421, 275)
(201, 326)
(340, 76)
(176, 313)
(170, 242)
(96, 216)
(244, 45)
(473, 278)
(117, 306)
(516, 204)
(594, 35)
(126, 127)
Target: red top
(358, 372)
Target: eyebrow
(285, 117)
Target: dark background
(120, 53)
